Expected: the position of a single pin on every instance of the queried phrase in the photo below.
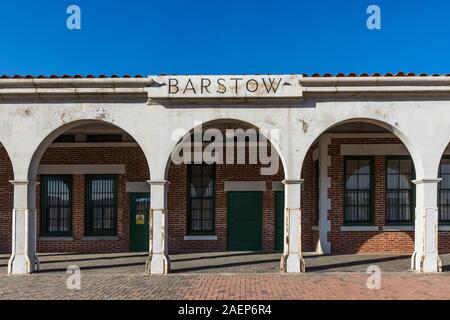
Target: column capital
(427, 181)
(290, 182)
(158, 182)
(23, 182)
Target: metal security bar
(399, 190)
(101, 205)
(358, 199)
(56, 205)
(201, 203)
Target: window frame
(412, 192)
(189, 231)
(43, 209)
(441, 222)
(88, 220)
(371, 222)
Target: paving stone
(120, 276)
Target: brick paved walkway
(224, 276)
(342, 286)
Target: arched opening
(92, 197)
(225, 213)
(6, 206)
(366, 195)
(443, 204)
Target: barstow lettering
(222, 85)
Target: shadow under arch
(237, 122)
(47, 141)
(418, 163)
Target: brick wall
(136, 169)
(362, 242)
(177, 206)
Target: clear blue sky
(223, 36)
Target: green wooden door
(139, 216)
(245, 221)
(279, 220)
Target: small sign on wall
(140, 219)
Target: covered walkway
(222, 262)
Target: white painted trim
(81, 169)
(138, 187)
(200, 238)
(373, 150)
(398, 228)
(55, 239)
(100, 238)
(277, 186)
(324, 245)
(360, 228)
(94, 145)
(444, 228)
(244, 186)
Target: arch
(45, 143)
(188, 133)
(415, 155)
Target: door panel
(139, 222)
(245, 221)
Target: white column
(23, 259)
(426, 258)
(324, 246)
(158, 261)
(292, 260)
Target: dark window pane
(399, 207)
(201, 199)
(101, 206)
(56, 205)
(358, 190)
(65, 138)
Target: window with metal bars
(201, 202)
(101, 205)
(359, 189)
(399, 190)
(56, 205)
(444, 191)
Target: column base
(292, 263)
(426, 263)
(157, 264)
(22, 264)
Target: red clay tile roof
(90, 76)
(399, 74)
(314, 75)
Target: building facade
(346, 164)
